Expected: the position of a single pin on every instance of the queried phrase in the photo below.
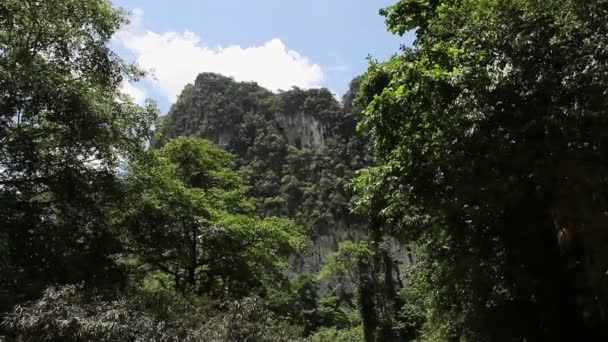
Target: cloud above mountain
(176, 58)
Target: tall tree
(491, 136)
(190, 218)
(64, 128)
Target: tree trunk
(580, 216)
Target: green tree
(489, 135)
(65, 127)
(341, 267)
(190, 218)
(338, 335)
(71, 313)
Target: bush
(71, 313)
(338, 335)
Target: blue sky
(277, 43)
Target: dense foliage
(490, 135)
(72, 314)
(190, 218)
(64, 128)
(481, 150)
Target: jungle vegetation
(457, 192)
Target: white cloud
(176, 58)
(137, 94)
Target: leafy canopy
(65, 127)
(191, 218)
(489, 135)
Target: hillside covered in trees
(298, 150)
(457, 192)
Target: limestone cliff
(298, 150)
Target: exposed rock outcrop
(298, 150)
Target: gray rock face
(302, 130)
(326, 244)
